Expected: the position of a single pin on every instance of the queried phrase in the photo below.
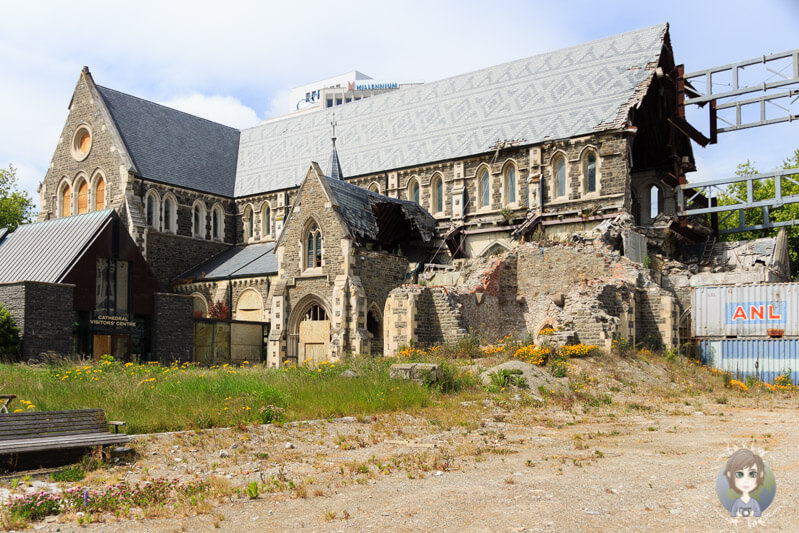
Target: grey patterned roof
(562, 94)
(235, 262)
(45, 251)
(173, 147)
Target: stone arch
(312, 245)
(510, 182)
(199, 305)
(198, 219)
(266, 220)
(248, 223)
(152, 209)
(170, 213)
(437, 193)
(494, 248)
(559, 169)
(64, 198)
(98, 191)
(415, 190)
(309, 330)
(483, 186)
(589, 164)
(217, 222)
(80, 196)
(375, 187)
(250, 306)
(546, 323)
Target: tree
(762, 189)
(16, 207)
(9, 336)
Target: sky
(236, 62)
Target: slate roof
(45, 251)
(566, 93)
(358, 207)
(173, 147)
(235, 262)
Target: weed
(252, 490)
(70, 474)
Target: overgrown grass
(153, 398)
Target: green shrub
(505, 377)
(9, 336)
(70, 473)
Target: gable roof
(45, 251)
(370, 215)
(237, 261)
(566, 93)
(174, 147)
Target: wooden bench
(55, 430)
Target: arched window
(199, 305)
(374, 187)
(315, 312)
(83, 197)
(66, 200)
(655, 201)
(250, 306)
(510, 184)
(248, 223)
(484, 189)
(559, 173)
(590, 172)
(153, 207)
(170, 214)
(438, 194)
(266, 220)
(99, 193)
(413, 190)
(313, 241)
(198, 220)
(217, 223)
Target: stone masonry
(43, 313)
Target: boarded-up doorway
(314, 336)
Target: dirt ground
(644, 459)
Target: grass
(153, 398)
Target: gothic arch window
(509, 184)
(315, 312)
(248, 223)
(374, 325)
(83, 196)
(266, 220)
(437, 189)
(198, 219)
(590, 165)
(483, 189)
(152, 206)
(559, 176)
(374, 187)
(98, 192)
(313, 246)
(217, 223)
(64, 199)
(495, 248)
(170, 213)
(413, 190)
(199, 305)
(655, 201)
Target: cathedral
(245, 226)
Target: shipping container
(762, 358)
(763, 310)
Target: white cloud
(222, 109)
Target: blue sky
(236, 65)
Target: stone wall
(44, 314)
(171, 255)
(424, 316)
(656, 318)
(172, 328)
(103, 159)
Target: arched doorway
(309, 333)
(374, 324)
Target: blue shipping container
(762, 358)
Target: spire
(334, 168)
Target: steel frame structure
(707, 192)
(781, 100)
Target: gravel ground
(481, 465)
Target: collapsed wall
(585, 291)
